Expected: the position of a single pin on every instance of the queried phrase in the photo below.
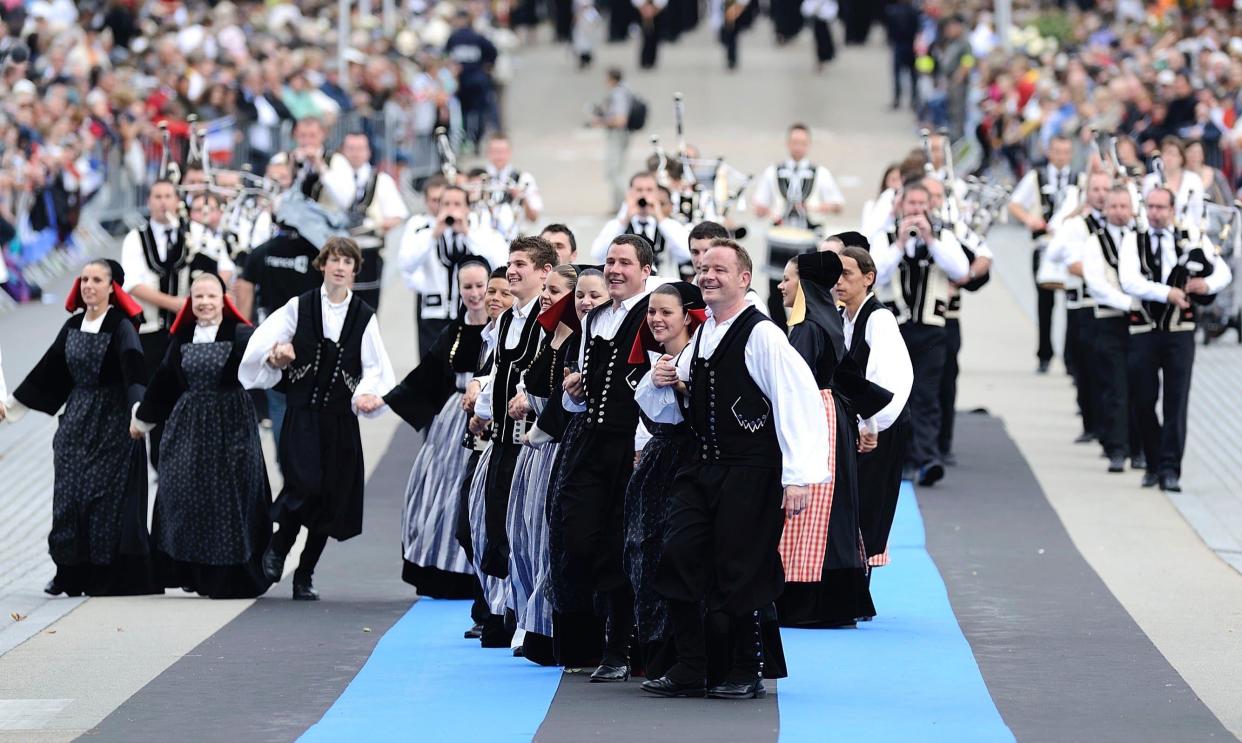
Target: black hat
(820, 268)
(852, 239)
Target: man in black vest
(517, 342)
(1100, 259)
(1034, 203)
(917, 262)
(669, 239)
(593, 481)
(762, 434)
(1168, 275)
(373, 202)
(324, 346)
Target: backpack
(637, 117)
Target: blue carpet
(424, 682)
(908, 676)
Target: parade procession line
(909, 675)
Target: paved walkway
(1129, 609)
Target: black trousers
(1161, 364)
(1080, 335)
(903, 65)
(1112, 341)
(592, 507)
(495, 558)
(1045, 300)
(367, 283)
(312, 550)
(650, 44)
(720, 543)
(728, 37)
(948, 385)
(927, 345)
(825, 48)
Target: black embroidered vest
(730, 416)
(609, 378)
(510, 364)
(325, 374)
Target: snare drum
(787, 242)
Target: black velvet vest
(729, 414)
(609, 378)
(325, 374)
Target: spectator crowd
(85, 88)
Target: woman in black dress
(431, 395)
(211, 521)
(95, 369)
(673, 313)
(827, 588)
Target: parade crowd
(634, 463)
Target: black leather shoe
(1117, 464)
(738, 690)
(304, 591)
(53, 588)
(607, 674)
(666, 687)
(931, 474)
(1150, 479)
(1170, 483)
(273, 564)
(1086, 437)
(1043, 367)
(474, 632)
(1139, 462)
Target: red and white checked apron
(804, 542)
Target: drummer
(794, 195)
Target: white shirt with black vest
(429, 264)
(917, 276)
(670, 238)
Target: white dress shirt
(425, 273)
(888, 364)
(377, 375)
(783, 377)
(511, 217)
(1188, 199)
(1105, 289)
(945, 251)
(605, 325)
(1134, 283)
(1027, 193)
(521, 315)
(825, 192)
(346, 185)
(676, 240)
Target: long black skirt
(99, 539)
(212, 522)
